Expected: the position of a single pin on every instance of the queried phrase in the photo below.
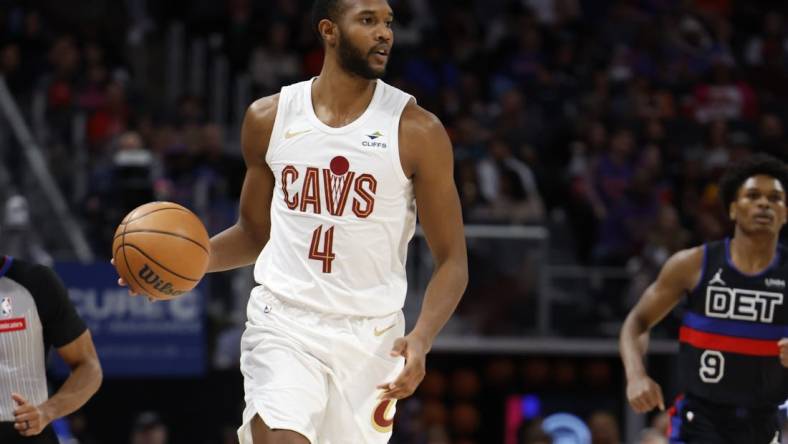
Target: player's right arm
(240, 244)
(679, 275)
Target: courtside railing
(532, 305)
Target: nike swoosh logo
(290, 134)
(380, 332)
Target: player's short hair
(325, 9)
(758, 164)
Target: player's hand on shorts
(122, 282)
(414, 351)
(783, 344)
(29, 420)
(644, 394)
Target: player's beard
(352, 60)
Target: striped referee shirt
(35, 313)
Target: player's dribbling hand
(783, 344)
(122, 282)
(644, 394)
(29, 419)
(414, 351)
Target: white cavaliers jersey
(343, 210)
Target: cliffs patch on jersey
(329, 189)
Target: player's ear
(328, 30)
(732, 212)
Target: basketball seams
(161, 232)
(126, 260)
(157, 263)
(156, 211)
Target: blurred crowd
(612, 118)
(608, 122)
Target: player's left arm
(66, 331)
(427, 158)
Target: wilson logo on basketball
(382, 419)
(162, 286)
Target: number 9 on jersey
(712, 366)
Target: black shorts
(9, 435)
(696, 421)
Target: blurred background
(588, 136)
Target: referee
(35, 313)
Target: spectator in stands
(771, 136)
(18, 81)
(80, 429)
(274, 64)
(149, 428)
(508, 186)
(111, 119)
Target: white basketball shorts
(316, 373)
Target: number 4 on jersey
(326, 255)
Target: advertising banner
(135, 337)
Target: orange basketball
(161, 250)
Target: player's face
(760, 205)
(365, 37)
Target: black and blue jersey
(728, 338)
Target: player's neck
(338, 98)
(752, 253)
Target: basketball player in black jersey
(736, 315)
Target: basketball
(161, 250)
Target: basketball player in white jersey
(335, 168)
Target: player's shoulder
(257, 128)
(692, 256)
(684, 265)
(424, 143)
(263, 109)
(417, 122)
